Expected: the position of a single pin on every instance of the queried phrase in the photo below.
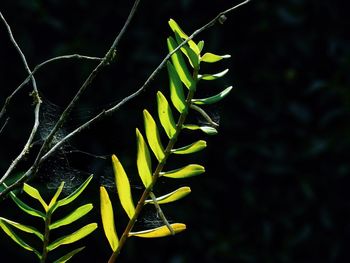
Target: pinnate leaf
(184, 172)
(176, 89)
(153, 136)
(211, 58)
(162, 231)
(68, 256)
(180, 65)
(213, 76)
(144, 165)
(192, 148)
(165, 115)
(108, 219)
(24, 228)
(123, 187)
(33, 192)
(173, 196)
(26, 208)
(213, 99)
(71, 238)
(70, 198)
(75, 215)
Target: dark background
(276, 187)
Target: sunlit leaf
(192, 148)
(70, 198)
(165, 115)
(57, 194)
(176, 28)
(206, 129)
(213, 99)
(192, 56)
(211, 58)
(200, 45)
(7, 229)
(107, 216)
(180, 65)
(184, 172)
(26, 208)
(162, 231)
(152, 135)
(123, 187)
(33, 192)
(173, 196)
(75, 215)
(71, 238)
(176, 89)
(24, 228)
(144, 165)
(213, 76)
(68, 256)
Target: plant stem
(46, 237)
(156, 174)
(161, 214)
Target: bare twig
(43, 155)
(3, 126)
(37, 103)
(109, 57)
(73, 56)
(111, 110)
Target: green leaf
(192, 148)
(191, 55)
(33, 192)
(165, 115)
(176, 89)
(172, 197)
(71, 238)
(57, 194)
(162, 231)
(213, 99)
(69, 255)
(200, 45)
(180, 65)
(176, 28)
(25, 228)
(7, 229)
(213, 76)
(184, 172)
(152, 135)
(144, 165)
(70, 198)
(75, 215)
(123, 187)
(26, 208)
(211, 58)
(206, 129)
(108, 219)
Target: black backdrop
(276, 187)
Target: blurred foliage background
(276, 187)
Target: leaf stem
(160, 213)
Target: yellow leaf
(144, 165)
(162, 231)
(123, 187)
(108, 219)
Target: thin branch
(3, 126)
(37, 103)
(104, 113)
(113, 109)
(37, 67)
(109, 57)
